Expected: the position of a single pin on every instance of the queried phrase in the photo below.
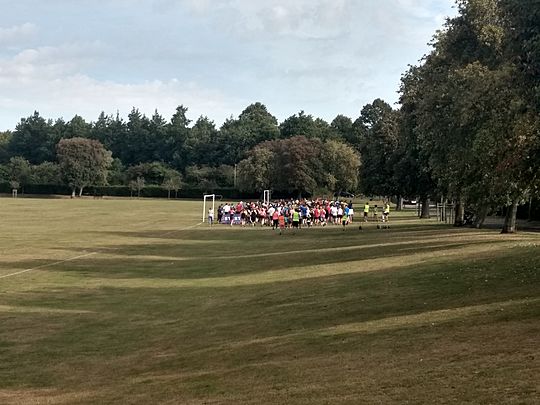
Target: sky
(215, 57)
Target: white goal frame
(266, 197)
(205, 197)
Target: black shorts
(295, 224)
(275, 222)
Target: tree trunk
(168, 194)
(510, 219)
(80, 191)
(399, 206)
(481, 217)
(425, 208)
(459, 220)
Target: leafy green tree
(201, 144)
(138, 141)
(117, 173)
(112, 133)
(46, 173)
(154, 173)
(469, 110)
(237, 136)
(172, 182)
(380, 124)
(201, 176)
(412, 173)
(177, 133)
(5, 138)
(341, 129)
(257, 171)
(137, 185)
(18, 171)
(83, 162)
(77, 127)
(341, 166)
(260, 124)
(303, 124)
(33, 139)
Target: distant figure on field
(344, 220)
(366, 211)
(211, 216)
(386, 212)
(281, 220)
(296, 219)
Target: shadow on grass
(164, 261)
(110, 333)
(223, 232)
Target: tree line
(153, 151)
(466, 131)
(470, 111)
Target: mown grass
(163, 310)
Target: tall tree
(380, 124)
(77, 127)
(33, 139)
(18, 172)
(177, 132)
(201, 145)
(5, 138)
(46, 173)
(412, 174)
(83, 162)
(303, 124)
(256, 172)
(237, 136)
(341, 129)
(341, 166)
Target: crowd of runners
(283, 214)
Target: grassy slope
(161, 311)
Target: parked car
(343, 194)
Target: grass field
(128, 301)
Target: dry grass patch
(165, 311)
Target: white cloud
(48, 80)
(323, 56)
(17, 33)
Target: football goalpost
(266, 197)
(206, 197)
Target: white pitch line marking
(85, 255)
(49, 264)
(179, 230)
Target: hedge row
(125, 191)
(190, 192)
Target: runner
(295, 219)
(210, 216)
(386, 212)
(281, 220)
(366, 211)
(344, 220)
